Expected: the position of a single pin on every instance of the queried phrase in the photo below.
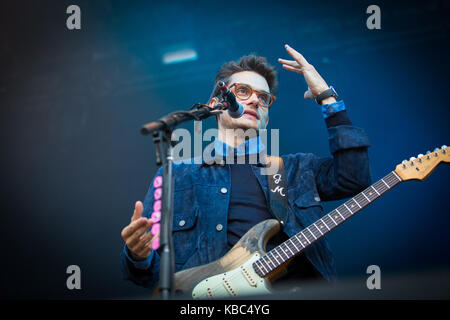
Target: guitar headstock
(419, 168)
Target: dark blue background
(72, 102)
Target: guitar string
(392, 181)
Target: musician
(216, 203)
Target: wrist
(134, 256)
(328, 100)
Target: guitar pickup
(251, 281)
(229, 287)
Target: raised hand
(316, 84)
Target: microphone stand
(162, 132)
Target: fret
(361, 200)
(283, 247)
(396, 175)
(263, 262)
(270, 252)
(351, 212)
(307, 229)
(381, 186)
(293, 243)
(315, 234)
(269, 261)
(317, 228)
(259, 265)
(276, 255)
(352, 205)
(293, 254)
(354, 199)
(282, 251)
(375, 190)
(327, 221)
(336, 217)
(332, 218)
(345, 211)
(365, 196)
(304, 242)
(385, 183)
(371, 194)
(297, 237)
(339, 214)
(325, 224)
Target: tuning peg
(412, 160)
(404, 162)
(420, 156)
(436, 152)
(428, 154)
(444, 148)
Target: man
(215, 204)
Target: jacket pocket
(308, 199)
(185, 235)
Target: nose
(253, 100)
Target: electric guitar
(247, 269)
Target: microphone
(235, 109)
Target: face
(255, 116)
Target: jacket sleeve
(347, 172)
(143, 273)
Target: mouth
(251, 114)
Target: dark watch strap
(326, 94)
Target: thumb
(138, 209)
(308, 94)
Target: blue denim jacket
(202, 195)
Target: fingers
(291, 63)
(299, 58)
(143, 247)
(139, 225)
(294, 69)
(144, 250)
(138, 209)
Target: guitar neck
(292, 247)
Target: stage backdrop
(72, 102)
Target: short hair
(251, 62)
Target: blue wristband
(330, 109)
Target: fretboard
(296, 244)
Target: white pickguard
(238, 282)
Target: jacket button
(223, 190)
(219, 227)
(181, 223)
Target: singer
(216, 203)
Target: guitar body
(233, 274)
